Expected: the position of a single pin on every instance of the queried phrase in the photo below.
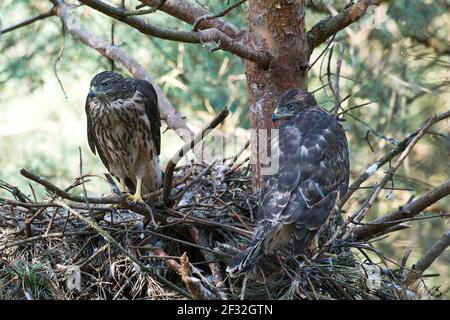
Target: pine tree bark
(277, 27)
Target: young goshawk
(123, 127)
(313, 171)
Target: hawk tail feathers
(246, 260)
(268, 239)
(249, 257)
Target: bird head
(109, 85)
(291, 102)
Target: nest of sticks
(176, 246)
(62, 249)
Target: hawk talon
(135, 198)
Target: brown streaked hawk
(123, 127)
(313, 171)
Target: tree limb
(224, 42)
(210, 16)
(325, 28)
(189, 12)
(41, 16)
(440, 46)
(409, 210)
(425, 262)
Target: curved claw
(136, 198)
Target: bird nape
(313, 171)
(123, 128)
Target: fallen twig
(111, 240)
(194, 285)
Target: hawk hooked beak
(95, 92)
(92, 93)
(277, 115)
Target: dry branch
(435, 251)
(409, 210)
(142, 209)
(170, 167)
(189, 12)
(364, 209)
(413, 276)
(210, 16)
(27, 22)
(194, 285)
(170, 262)
(208, 35)
(200, 237)
(372, 168)
(329, 26)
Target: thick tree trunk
(278, 27)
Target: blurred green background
(384, 61)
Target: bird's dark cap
(297, 95)
(105, 75)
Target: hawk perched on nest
(123, 127)
(313, 170)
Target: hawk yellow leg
(123, 187)
(137, 195)
(314, 243)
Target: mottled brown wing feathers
(92, 139)
(90, 127)
(151, 110)
(313, 169)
